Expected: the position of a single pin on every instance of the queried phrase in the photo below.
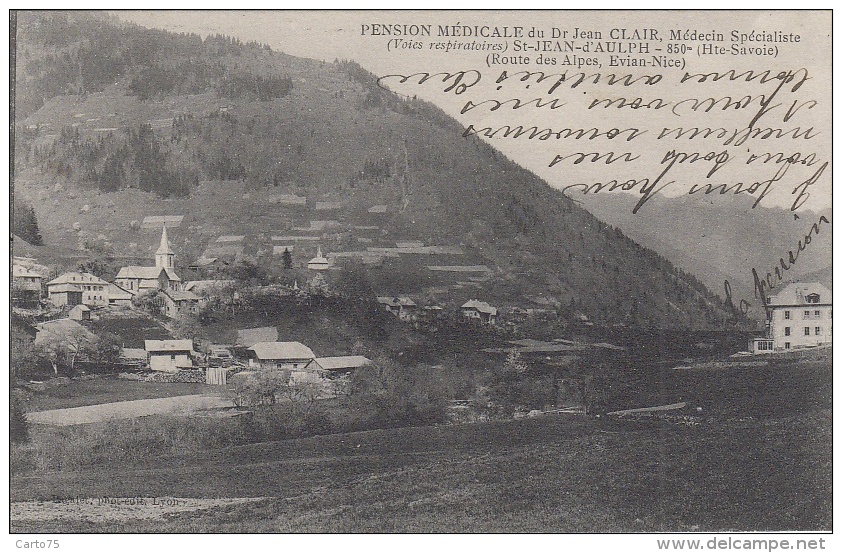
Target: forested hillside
(133, 122)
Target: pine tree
(18, 426)
(26, 225)
(287, 258)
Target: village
(66, 304)
(64, 307)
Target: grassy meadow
(757, 457)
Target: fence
(216, 376)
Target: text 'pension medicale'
(727, 132)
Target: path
(178, 405)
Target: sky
(329, 35)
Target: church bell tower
(165, 257)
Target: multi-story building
(75, 288)
(799, 316)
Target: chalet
(280, 355)
(177, 302)
(160, 277)
(75, 288)
(318, 263)
(208, 287)
(169, 355)
(26, 285)
(80, 313)
(220, 355)
(799, 316)
(330, 374)
(209, 265)
(401, 307)
(133, 358)
(118, 297)
(517, 314)
(343, 364)
(23, 274)
(479, 310)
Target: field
(549, 474)
(734, 466)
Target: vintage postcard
(560, 272)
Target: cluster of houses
(76, 288)
(268, 354)
(82, 291)
(404, 308)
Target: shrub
(125, 442)
(398, 396)
(289, 420)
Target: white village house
(26, 283)
(479, 310)
(401, 307)
(169, 355)
(799, 316)
(177, 302)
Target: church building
(160, 277)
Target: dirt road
(178, 405)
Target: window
(786, 315)
(786, 345)
(806, 313)
(817, 314)
(806, 331)
(786, 331)
(818, 331)
(172, 357)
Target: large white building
(75, 288)
(799, 316)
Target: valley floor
(556, 473)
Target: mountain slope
(223, 133)
(724, 239)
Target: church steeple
(165, 257)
